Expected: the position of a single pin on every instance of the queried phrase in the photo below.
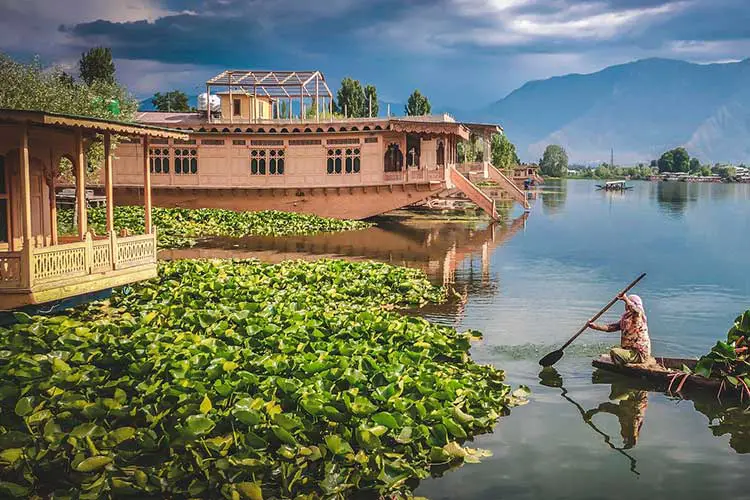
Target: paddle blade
(551, 358)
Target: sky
(463, 54)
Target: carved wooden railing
(101, 256)
(10, 269)
(134, 251)
(59, 261)
(393, 176)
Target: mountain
(640, 109)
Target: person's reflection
(630, 411)
(551, 378)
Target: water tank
(215, 102)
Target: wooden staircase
(509, 186)
(475, 194)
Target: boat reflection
(630, 415)
(728, 416)
(437, 247)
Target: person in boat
(635, 344)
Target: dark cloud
(488, 45)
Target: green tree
(695, 165)
(666, 162)
(681, 160)
(371, 99)
(350, 98)
(705, 170)
(504, 154)
(34, 87)
(417, 105)
(554, 162)
(97, 65)
(174, 100)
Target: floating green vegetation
(238, 379)
(179, 227)
(730, 360)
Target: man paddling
(635, 344)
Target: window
(345, 161)
(237, 107)
(212, 142)
(371, 140)
(158, 160)
(304, 142)
(185, 161)
(4, 215)
(342, 141)
(264, 161)
(267, 142)
(188, 141)
(238, 142)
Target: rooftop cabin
(36, 264)
(270, 141)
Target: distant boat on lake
(614, 186)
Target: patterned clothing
(634, 327)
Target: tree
(705, 170)
(350, 98)
(666, 162)
(695, 165)
(674, 160)
(417, 105)
(554, 162)
(371, 99)
(503, 152)
(681, 160)
(33, 87)
(174, 100)
(97, 65)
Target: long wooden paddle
(553, 357)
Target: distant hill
(640, 109)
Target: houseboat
(38, 266)
(272, 142)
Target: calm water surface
(530, 284)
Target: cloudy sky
(461, 53)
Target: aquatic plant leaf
(92, 464)
(249, 491)
(199, 424)
(337, 445)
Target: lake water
(530, 284)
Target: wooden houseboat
(273, 143)
(36, 264)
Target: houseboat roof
(197, 122)
(281, 84)
(484, 128)
(95, 125)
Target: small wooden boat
(614, 186)
(666, 374)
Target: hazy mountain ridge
(640, 109)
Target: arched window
(394, 159)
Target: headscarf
(638, 303)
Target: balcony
(55, 272)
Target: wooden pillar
(231, 101)
(52, 201)
(108, 183)
(255, 104)
(317, 100)
(25, 187)
(146, 186)
(208, 102)
(81, 186)
(290, 109)
(301, 102)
